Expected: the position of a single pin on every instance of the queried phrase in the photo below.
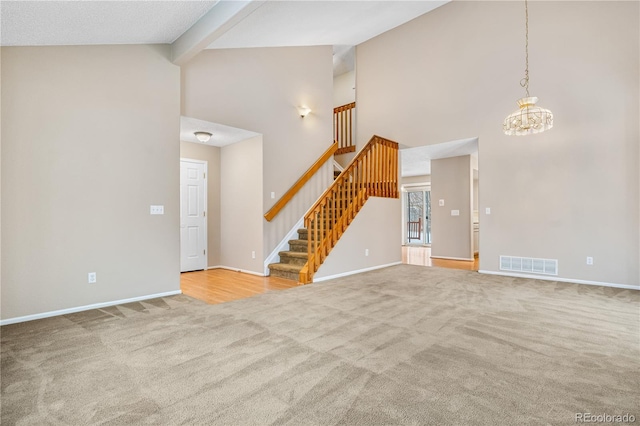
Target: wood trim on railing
(279, 205)
(372, 172)
(343, 128)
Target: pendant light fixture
(529, 118)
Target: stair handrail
(372, 172)
(288, 196)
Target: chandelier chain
(525, 81)
(529, 118)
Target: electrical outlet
(366, 252)
(156, 210)
(253, 254)
(441, 203)
(92, 277)
(589, 260)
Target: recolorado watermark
(605, 418)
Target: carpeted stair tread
(293, 257)
(296, 254)
(287, 267)
(298, 245)
(287, 271)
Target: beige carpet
(404, 345)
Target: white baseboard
(244, 271)
(85, 308)
(566, 280)
(453, 258)
(359, 271)
(274, 257)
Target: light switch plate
(487, 210)
(156, 210)
(441, 203)
(455, 212)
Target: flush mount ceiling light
(529, 118)
(203, 136)
(304, 111)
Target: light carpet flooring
(406, 345)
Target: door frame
(412, 187)
(206, 209)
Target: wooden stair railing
(282, 202)
(373, 172)
(343, 128)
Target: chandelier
(529, 118)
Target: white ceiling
(221, 135)
(344, 59)
(47, 23)
(417, 161)
(274, 23)
(318, 23)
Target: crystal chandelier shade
(529, 118)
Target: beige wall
(384, 243)
(565, 194)
(210, 154)
(260, 90)
(475, 194)
(241, 205)
(344, 89)
(90, 140)
(451, 181)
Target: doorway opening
(440, 223)
(418, 216)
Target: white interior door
(193, 227)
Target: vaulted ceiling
(191, 26)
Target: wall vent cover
(529, 264)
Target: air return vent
(529, 264)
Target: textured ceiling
(275, 23)
(317, 23)
(417, 161)
(221, 135)
(44, 23)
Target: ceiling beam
(220, 19)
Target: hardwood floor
(221, 285)
(418, 255)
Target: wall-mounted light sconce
(304, 111)
(203, 136)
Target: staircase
(373, 172)
(292, 261)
